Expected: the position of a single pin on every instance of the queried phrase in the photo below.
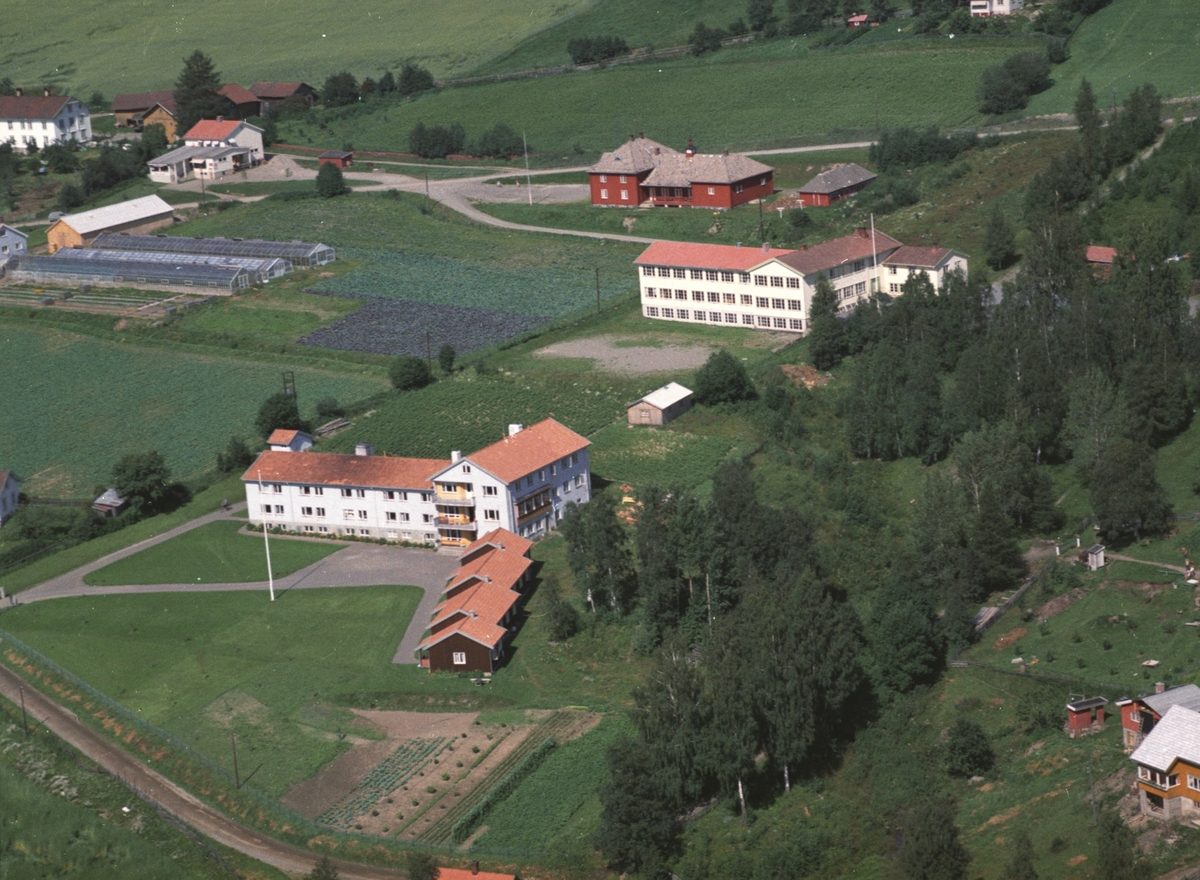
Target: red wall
(441, 655)
(614, 187)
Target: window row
(604, 178)
(726, 318)
(624, 194)
(1161, 780)
(852, 290)
(761, 302)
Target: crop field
(272, 314)
(555, 808)
(468, 411)
(131, 47)
(83, 403)
(390, 326)
(413, 251)
(667, 458)
(786, 94)
(1128, 43)
(203, 666)
(211, 554)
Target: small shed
(1085, 716)
(109, 504)
(1094, 557)
(834, 185)
(340, 158)
(857, 21)
(659, 407)
(283, 440)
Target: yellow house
(1168, 766)
(134, 216)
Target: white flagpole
(267, 544)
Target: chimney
(862, 232)
(691, 149)
(364, 449)
(220, 119)
(20, 91)
(1159, 687)
(739, 244)
(766, 247)
(456, 456)
(725, 152)
(514, 429)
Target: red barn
(1085, 716)
(645, 173)
(857, 21)
(834, 185)
(1139, 715)
(340, 158)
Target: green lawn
(265, 187)
(132, 398)
(274, 315)
(211, 554)
(667, 458)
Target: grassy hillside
(130, 46)
(1128, 43)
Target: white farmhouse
(522, 483)
(988, 8)
(212, 149)
(45, 120)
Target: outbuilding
(834, 185)
(1085, 716)
(109, 504)
(340, 158)
(136, 215)
(661, 406)
(1094, 556)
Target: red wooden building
(644, 173)
(834, 185)
(1140, 714)
(1085, 716)
(340, 158)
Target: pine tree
(999, 240)
(195, 92)
(826, 335)
(330, 181)
(932, 850)
(1091, 131)
(1115, 842)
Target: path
(1166, 565)
(156, 789)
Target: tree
(445, 357)
(1126, 495)
(968, 750)
(760, 13)
(722, 380)
(1096, 418)
(324, 870)
(340, 89)
(330, 181)
(70, 196)
(826, 335)
(61, 158)
(705, 39)
(413, 79)
(999, 239)
(195, 92)
(143, 478)
(420, 865)
(562, 620)
(1020, 867)
(7, 88)
(408, 372)
(234, 456)
(598, 554)
(1116, 853)
(280, 410)
(932, 850)
(154, 141)
(500, 141)
(637, 816)
(387, 83)
(907, 645)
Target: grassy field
(410, 250)
(131, 399)
(786, 93)
(211, 554)
(270, 315)
(664, 457)
(134, 48)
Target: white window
(891, 270)
(664, 272)
(322, 528)
(390, 496)
(1193, 782)
(604, 178)
(391, 517)
(893, 287)
(306, 511)
(466, 469)
(362, 514)
(604, 194)
(715, 317)
(764, 321)
(279, 509)
(794, 305)
(623, 180)
(651, 311)
(712, 190)
(624, 195)
(760, 280)
(760, 302)
(360, 493)
(306, 490)
(460, 658)
(266, 508)
(347, 514)
(683, 314)
(404, 517)
(427, 517)
(793, 282)
(579, 481)
(492, 515)
(698, 296)
(650, 294)
(795, 324)
(277, 489)
(679, 273)
(777, 304)
(776, 281)
(320, 511)
(490, 490)
(727, 277)
(781, 323)
(346, 493)
(647, 270)
(541, 475)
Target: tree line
(440, 141)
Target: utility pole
(237, 779)
(427, 185)
(762, 237)
(597, 290)
(528, 182)
(267, 542)
(24, 720)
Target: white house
(44, 119)
(282, 440)
(10, 493)
(12, 242)
(212, 149)
(522, 483)
(770, 288)
(936, 262)
(988, 8)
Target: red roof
(858, 19)
(501, 568)
(523, 453)
(483, 601)
(212, 130)
(144, 101)
(707, 256)
(474, 628)
(498, 538)
(919, 257)
(275, 91)
(838, 251)
(1099, 254)
(330, 469)
(238, 94)
(281, 437)
(461, 874)
(31, 106)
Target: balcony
(457, 522)
(455, 542)
(461, 498)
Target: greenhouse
(299, 253)
(118, 273)
(261, 268)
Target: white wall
(292, 498)
(73, 123)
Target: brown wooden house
(271, 94)
(338, 158)
(661, 406)
(242, 103)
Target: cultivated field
(85, 402)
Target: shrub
(722, 380)
(437, 142)
(501, 141)
(968, 751)
(340, 89)
(413, 79)
(278, 411)
(235, 456)
(330, 181)
(589, 50)
(705, 39)
(329, 408)
(408, 372)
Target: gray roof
(145, 208)
(1187, 695)
(668, 395)
(1090, 703)
(1176, 737)
(187, 154)
(679, 169)
(838, 179)
(264, 266)
(299, 253)
(110, 496)
(6, 229)
(632, 157)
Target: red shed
(834, 185)
(340, 158)
(857, 21)
(1085, 716)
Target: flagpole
(267, 544)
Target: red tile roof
(484, 601)
(474, 628)
(281, 437)
(837, 251)
(462, 874)
(501, 568)
(707, 256)
(524, 452)
(1099, 254)
(501, 538)
(238, 94)
(330, 469)
(32, 106)
(211, 130)
(275, 91)
(858, 19)
(918, 257)
(144, 101)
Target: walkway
(1166, 565)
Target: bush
(722, 380)
(329, 408)
(705, 39)
(501, 141)
(413, 79)
(330, 181)
(235, 456)
(279, 411)
(437, 142)
(589, 50)
(968, 751)
(905, 148)
(1007, 87)
(408, 372)
(340, 89)
(445, 357)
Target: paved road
(156, 789)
